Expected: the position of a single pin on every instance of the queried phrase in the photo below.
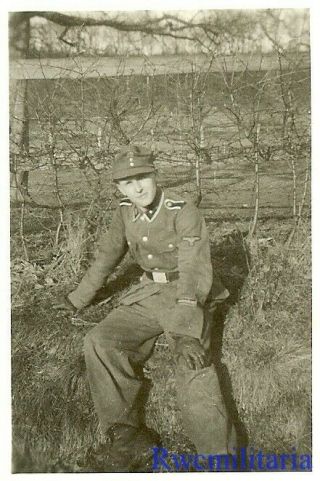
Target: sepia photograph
(160, 240)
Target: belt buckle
(159, 277)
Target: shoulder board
(125, 201)
(174, 204)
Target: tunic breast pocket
(167, 242)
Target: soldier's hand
(189, 353)
(62, 303)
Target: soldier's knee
(90, 339)
(87, 343)
(97, 340)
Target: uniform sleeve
(195, 273)
(194, 261)
(112, 248)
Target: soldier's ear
(120, 188)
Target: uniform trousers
(115, 352)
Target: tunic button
(144, 238)
(170, 245)
(156, 268)
(150, 256)
(129, 243)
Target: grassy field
(53, 416)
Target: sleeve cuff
(187, 322)
(72, 298)
(188, 302)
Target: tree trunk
(19, 34)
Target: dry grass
(267, 346)
(73, 250)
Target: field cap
(132, 160)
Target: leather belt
(162, 277)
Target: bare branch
(148, 26)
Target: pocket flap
(137, 293)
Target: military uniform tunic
(168, 241)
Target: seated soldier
(168, 238)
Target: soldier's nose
(138, 186)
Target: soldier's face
(141, 189)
